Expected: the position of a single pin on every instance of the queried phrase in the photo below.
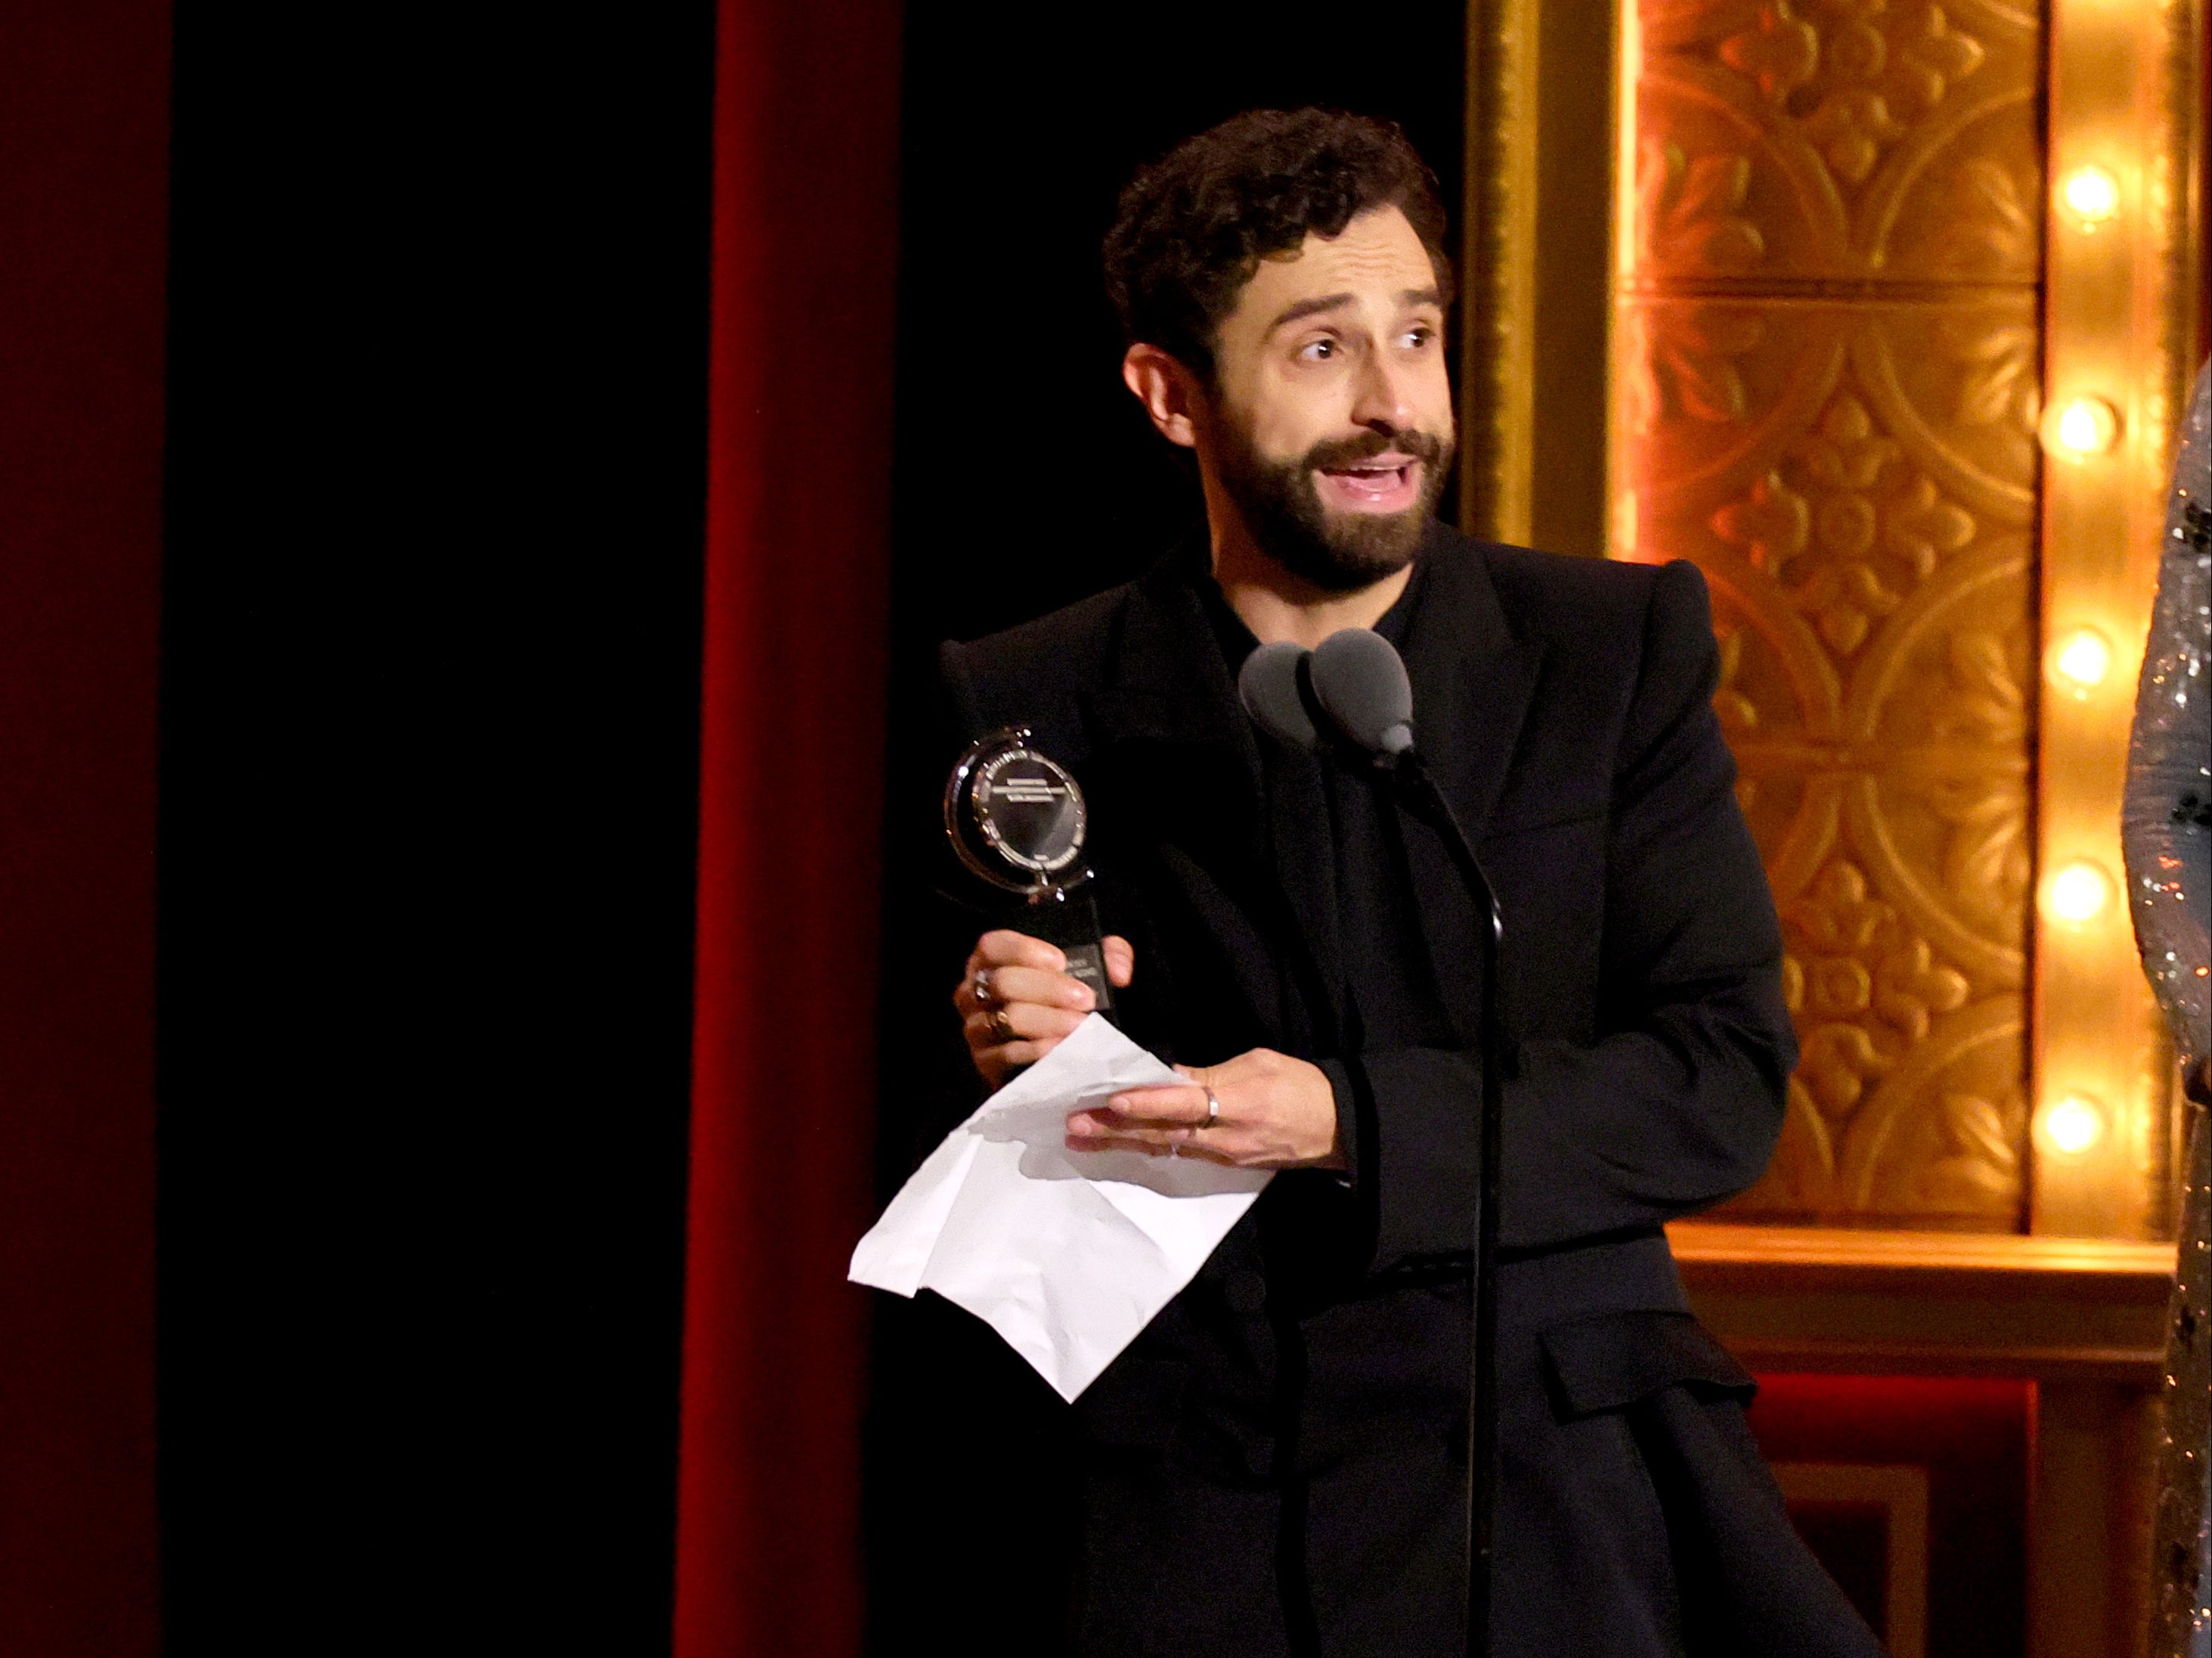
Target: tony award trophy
(1016, 819)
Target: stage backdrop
(84, 135)
(805, 205)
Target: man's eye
(1417, 338)
(1317, 350)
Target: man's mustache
(1334, 453)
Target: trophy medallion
(1015, 818)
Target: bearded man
(1279, 1464)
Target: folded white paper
(1067, 1254)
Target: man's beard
(1340, 554)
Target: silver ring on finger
(985, 996)
(1213, 1111)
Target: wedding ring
(1212, 1110)
(1002, 1027)
(985, 996)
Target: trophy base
(1070, 922)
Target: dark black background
(429, 807)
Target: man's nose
(1382, 395)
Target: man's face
(1330, 418)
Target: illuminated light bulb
(2074, 1124)
(2079, 892)
(2082, 425)
(2091, 194)
(2081, 660)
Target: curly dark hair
(1193, 227)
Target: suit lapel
(1166, 684)
(1472, 685)
(1169, 726)
(1472, 680)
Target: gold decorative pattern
(1827, 391)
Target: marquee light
(2082, 425)
(2123, 275)
(2073, 1123)
(2091, 195)
(2081, 660)
(2079, 891)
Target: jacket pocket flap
(1614, 1359)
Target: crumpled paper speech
(1067, 1254)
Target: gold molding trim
(1497, 265)
(1856, 1256)
(1536, 255)
(1931, 1304)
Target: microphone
(1269, 685)
(1360, 682)
(1352, 691)
(1354, 687)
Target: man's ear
(1168, 391)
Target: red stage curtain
(84, 129)
(799, 418)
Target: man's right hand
(1015, 999)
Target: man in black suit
(1278, 1465)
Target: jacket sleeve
(1678, 1102)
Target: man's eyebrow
(1314, 307)
(1309, 308)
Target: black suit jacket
(1277, 1465)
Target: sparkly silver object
(2166, 830)
(2164, 822)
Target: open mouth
(1384, 483)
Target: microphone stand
(1482, 1378)
(1368, 702)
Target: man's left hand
(1275, 1112)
